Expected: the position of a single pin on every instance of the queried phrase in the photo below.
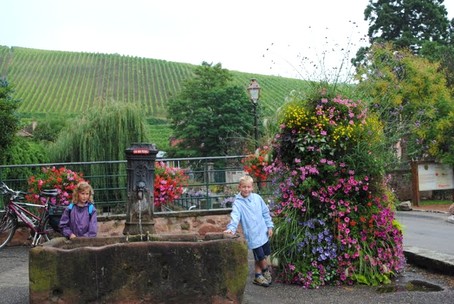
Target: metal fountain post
(140, 174)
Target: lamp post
(254, 94)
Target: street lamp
(254, 94)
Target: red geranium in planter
(62, 179)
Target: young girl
(253, 214)
(79, 218)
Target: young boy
(250, 210)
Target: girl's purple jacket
(79, 222)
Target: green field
(68, 83)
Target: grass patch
(432, 202)
(160, 134)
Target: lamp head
(254, 90)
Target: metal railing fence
(212, 183)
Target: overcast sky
(285, 37)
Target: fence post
(415, 183)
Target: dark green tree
(405, 23)
(408, 23)
(210, 116)
(9, 120)
(23, 151)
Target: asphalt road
(429, 230)
(14, 275)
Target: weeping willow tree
(102, 134)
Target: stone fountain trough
(185, 268)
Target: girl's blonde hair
(82, 186)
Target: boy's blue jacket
(255, 219)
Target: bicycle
(17, 208)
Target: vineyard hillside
(57, 82)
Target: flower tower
(333, 213)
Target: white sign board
(435, 177)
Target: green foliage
(443, 146)
(9, 120)
(159, 135)
(210, 116)
(407, 23)
(444, 54)
(103, 133)
(23, 151)
(48, 128)
(409, 95)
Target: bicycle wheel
(49, 231)
(44, 232)
(8, 226)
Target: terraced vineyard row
(56, 82)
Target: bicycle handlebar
(13, 193)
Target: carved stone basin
(159, 269)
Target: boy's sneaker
(260, 280)
(267, 276)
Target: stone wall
(199, 222)
(401, 184)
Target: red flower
(168, 184)
(254, 164)
(62, 179)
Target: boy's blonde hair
(246, 179)
(82, 186)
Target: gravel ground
(397, 292)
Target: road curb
(450, 219)
(429, 259)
